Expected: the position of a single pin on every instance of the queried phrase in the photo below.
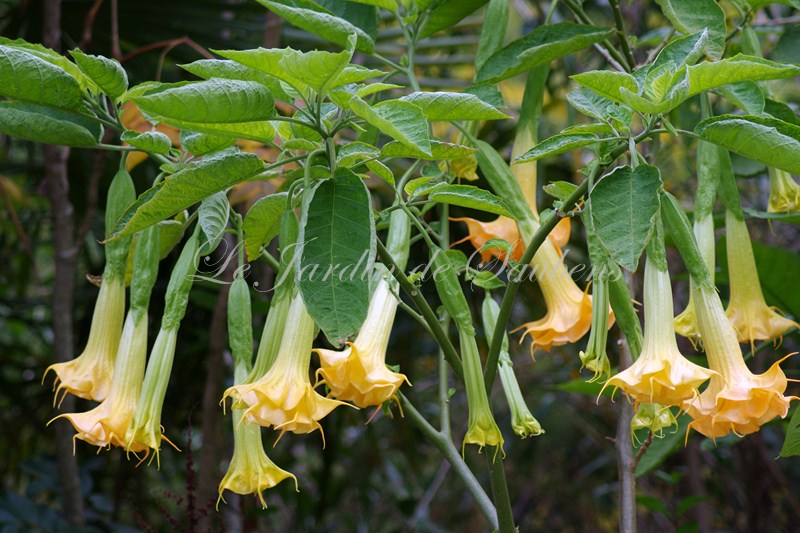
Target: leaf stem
(581, 15)
(623, 39)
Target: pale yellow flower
(358, 374)
(660, 374)
(283, 397)
(747, 310)
(89, 375)
(784, 192)
(107, 424)
(735, 400)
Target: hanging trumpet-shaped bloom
(686, 322)
(502, 228)
(735, 400)
(747, 310)
(89, 375)
(107, 424)
(250, 470)
(660, 374)
(784, 192)
(283, 397)
(358, 374)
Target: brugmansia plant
(327, 123)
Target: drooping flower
(747, 310)
(482, 428)
(595, 357)
(89, 375)
(654, 418)
(784, 192)
(735, 400)
(505, 229)
(686, 322)
(107, 424)
(283, 397)
(250, 470)
(660, 374)
(358, 374)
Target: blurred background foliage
(382, 476)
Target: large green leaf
(25, 76)
(682, 51)
(710, 74)
(692, 16)
(454, 106)
(107, 73)
(261, 131)
(747, 95)
(212, 101)
(52, 57)
(213, 216)
(231, 70)
(191, 184)
(767, 140)
(791, 446)
(47, 125)
(541, 46)
(262, 223)
(624, 206)
(200, 144)
(338, 252)
(472, 197)
(320, 22)
(447, 13)
(439, 151)
(607, 83)
(558, 144)
(401, 120)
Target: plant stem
(450, 353)
(444, 385)
(445, 446)
(626, 466)
(502, 501)
(626, 49)
(581, 15)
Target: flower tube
(107, 424)
(747, 310)
(735, 400)
(145, 428)
(283, 397)
(660, 374)
(89, 375)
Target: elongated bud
(784, 192)
(523, 422)
(482, 429)
(240, 321)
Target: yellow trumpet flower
(107, 424)
(747, 310)
(89, 375)
(506, 229)
(735, 400)
(784, 192)
(661, 374)
(250, 470)
(686, 322)
(283, 397)
(358, 373)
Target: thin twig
(170, 43)
(88, 24)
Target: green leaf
(560, 189)
(212, 101)
(593, 105)
(191, 184)
(692, 16)
(47, 125)
(151, 141)
(746, 94)
(624, 207)
(793, 218)
(541, 46)
(52, 57)
(605, 83)
(453, 106)
(339, 239)
(319, 22)
(231, 70)
(710, 74)
(382, 171)
(261, 131)
(353, 153)
(27, 77)
(107, 73)
(401, 120)
(767, 140)
(781, 111)
(682, 51)
(200, 144)
(472, 197)
(213, 216)
(439, 151)
(558, 144)
(357, 74)
(262, 223)
(447, 14)
(391, 5)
